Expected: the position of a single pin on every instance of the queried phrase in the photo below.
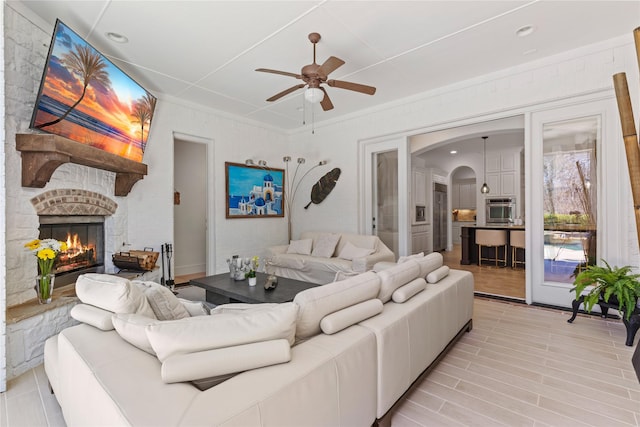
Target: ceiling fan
(313, 75)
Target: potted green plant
(251, 274)
(617, 285)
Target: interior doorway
(459, 154)
(190, 209)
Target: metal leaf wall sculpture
(323, 187)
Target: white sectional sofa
(318, 256)
(340, 354)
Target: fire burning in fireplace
(77, 255)
(85, 242)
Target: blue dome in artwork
(268, 177)
(259, 201)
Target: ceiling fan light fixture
(314, 95)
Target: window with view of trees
(570, 197)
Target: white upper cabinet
(503, 173)
(419, 186)
(463, 194)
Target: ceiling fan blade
(326, 103)
(285, 92)
(357, 87)
(283, 73)
(330, 65)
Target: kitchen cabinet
(456, 228)
(419, 187)
(463, 194)
(421, 239)
(503, 174)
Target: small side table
(632, 325)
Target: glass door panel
(570, 197)
(386, 198)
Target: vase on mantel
(44, 287)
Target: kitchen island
(470, 248)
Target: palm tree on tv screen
(88, 65)
(143, 113)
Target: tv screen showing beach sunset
(85, 97)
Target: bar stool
(491, 239)
(516, 240)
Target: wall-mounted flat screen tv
(84, 97)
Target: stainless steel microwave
(501, 211)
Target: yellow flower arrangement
(46, 251)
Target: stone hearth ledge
(61, 297)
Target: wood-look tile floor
(488, 279)
(519, 366)
(526, 366)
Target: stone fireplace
(76, 217)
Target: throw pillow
(112, 293)
(429, 263)
(131, 328)
(302, 247)
(395, 277)
(94, 316)
(406, 292)
(350, 252)
(163, 302)
(408, 257)
(222, 361)
(195, 308)
(438, 274)
(342, 319)
(324, 245)
(316, 303)
(202, 333)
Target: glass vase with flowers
(46, 252)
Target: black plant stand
(632, 325)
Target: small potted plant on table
(616, 287)
(251, 274)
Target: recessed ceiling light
(118, 38)
(453, 152)
(525, 31)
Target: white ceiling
(206, 51)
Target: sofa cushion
(94, 316)
(315, 303)
(342, 319)
(404, 293)
(132, 329)
(429, 263)
(163, 302)
(112, 293)
(350, 252)
(302, 247)
(395, 277)
(222, 361)
(438, 274)
(408, 257)
(202, 333)
(324, 245)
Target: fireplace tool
(169, 249)
(162, 281)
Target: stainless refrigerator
(439, 217)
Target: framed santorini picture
(253, 191)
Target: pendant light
(485, 188)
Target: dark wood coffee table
(221, 289)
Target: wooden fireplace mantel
(43, 153)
